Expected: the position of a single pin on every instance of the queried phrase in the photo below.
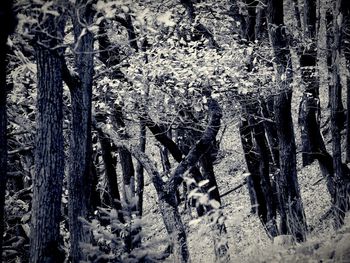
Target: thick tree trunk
(346, 52)
(6, 18)
(80, 181)
(291, 212)
(49, 151)
(341, 176)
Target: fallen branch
(234, 189)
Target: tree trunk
(125, 161)
(257, 156)
(109, 163)
(174, 226)
(80, 181)
(261, 23)
(140, 170)
(309, 107)
(6, 18)
(346, 51)
(251, 20)
(292, 212)
(49, 151)
(208, 173)
(340, 176)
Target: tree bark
(49, 151)
(257, 156)
(7, 18)
(346, 51)
(340, 176)
(80, 182)
(291, 212)
(110, 172)
(140, 170)
(309, 107)
(251, 19)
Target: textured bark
(291, 212)
(206, 162)
(6, 18)
(261, 23)
(251, 19)
(140, 170)
(80, 182)
(310, 18)
(297, 13)
(49, 153)
(257, 156)
(110, 172)
(341, 175)
(125, 160)
(309, 111)
(346, 51)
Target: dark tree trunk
(80, 182)
(309, 18)
(6, 18)
(291, 212)
(251, 19)
(140, 170)
(49, 152)
(257, 156)
(109, 162)
(341, 176)
(261, 22)
(240, 25)
(125, 160)
(346, 51)
(309, 110)
(208, 173)
(251, 160)
(297, 13)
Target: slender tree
(291, 207)
(80, 183)
(7, 19)
(49, 153)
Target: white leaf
(202, 183)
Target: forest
(174, 131)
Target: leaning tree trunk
(49, 151)
(292, 212)
(80, 181)
(6, 18)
